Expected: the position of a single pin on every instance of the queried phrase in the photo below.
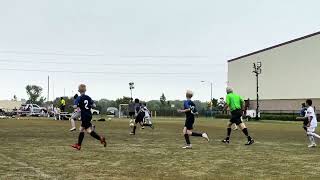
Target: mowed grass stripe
(280, 151)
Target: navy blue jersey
(188, 104)
(85, 103)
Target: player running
(147, 116)
(312, 123)
(85, 104)
(190, 111)
(76, 114)
(142, 114)
(236, 104)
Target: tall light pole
(131, 87)
(257, 71)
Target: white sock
(316, 135)
(73, 124)
(311, 138)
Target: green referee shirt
(234, 101)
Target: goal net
(123, 110)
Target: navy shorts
(86, 121)
(140, 117)
(189, 123)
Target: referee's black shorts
(236, 116)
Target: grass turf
(40, 149)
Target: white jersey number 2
(86, 103)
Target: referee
(236, 104)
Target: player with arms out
(236, 104)
(190, 111)
(85, 104)
(311, 119)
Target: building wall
(288, 72)
(9, 105)
(283, 104)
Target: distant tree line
(162, 105)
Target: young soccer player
(236, 104)
(190, 111)
(85, 104)
(76, 114)
(312, 124)
(147, 116)
(142, 113)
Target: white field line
(36, 170)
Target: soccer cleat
(73, 129)
(251, 141)
(142, 127)
(205, 135)
(312, 146)
(76, 146)
(189, 146)
(226, 141)
(103, 141)
(93, 127)
(132, 133)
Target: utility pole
(131, 87)
(48, 89)
(257, 71)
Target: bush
(284, 117)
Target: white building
(290, 74)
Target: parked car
(32, 109)
(95, 112)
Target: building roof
(275, 46)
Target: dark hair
(309, 102)
(75, 96)
(61, 98)
(303, 104)
(136, 100)
(144, 103)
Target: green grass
(40, 149)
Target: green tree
(34, 92)
(163, 99)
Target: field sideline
(40, 149)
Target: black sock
(134, 129)
(196, 134)
(95, 135)
(228, 133)
(80, 139)
(245, 132)
(186, 136)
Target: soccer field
(40, 149)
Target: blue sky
(164, 46)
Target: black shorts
(189, 123)
(236, 117)
(86, 122)
(140, 117)
(131, 114)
